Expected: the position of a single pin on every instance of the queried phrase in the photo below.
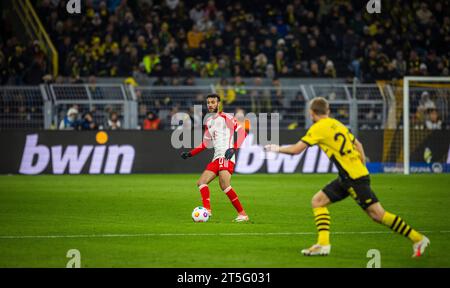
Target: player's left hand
(186, 155)
(229, 153)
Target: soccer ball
(200, 214)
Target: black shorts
(358, 189)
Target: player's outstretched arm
(199, 148)
(241, 134)
(297, 148)
(195, 151)
(359, 147)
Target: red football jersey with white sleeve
(219, 132)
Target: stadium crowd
(175, 41)
(286, 38)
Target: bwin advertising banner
(128, 151)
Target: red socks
(204, 191)
(234, 199)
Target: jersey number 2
(344, 141)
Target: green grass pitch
(145, 221)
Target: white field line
(193, 234)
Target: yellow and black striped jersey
(338, 143)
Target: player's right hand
(272, 148)
(186, 155)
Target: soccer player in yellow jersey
(347, 153)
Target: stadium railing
(166, 100)
(361, 106)
(98, 99)
(23, 107)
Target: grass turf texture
(162, 204)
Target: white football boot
(317, 250)
(241, 218)
(419, 247)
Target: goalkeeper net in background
(417, 125)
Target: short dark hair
(213, 95)
(319, 106)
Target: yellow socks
(398, 225)
(322, 220)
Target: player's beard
(214, 110)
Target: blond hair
(319, 106)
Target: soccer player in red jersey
(219, 132)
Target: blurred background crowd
(184, 39)
(175, 42)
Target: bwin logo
(36, 157)
(373, 6)
(73, 7)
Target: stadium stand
(248, 50)
(289, 38)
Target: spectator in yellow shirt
(195, 37)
